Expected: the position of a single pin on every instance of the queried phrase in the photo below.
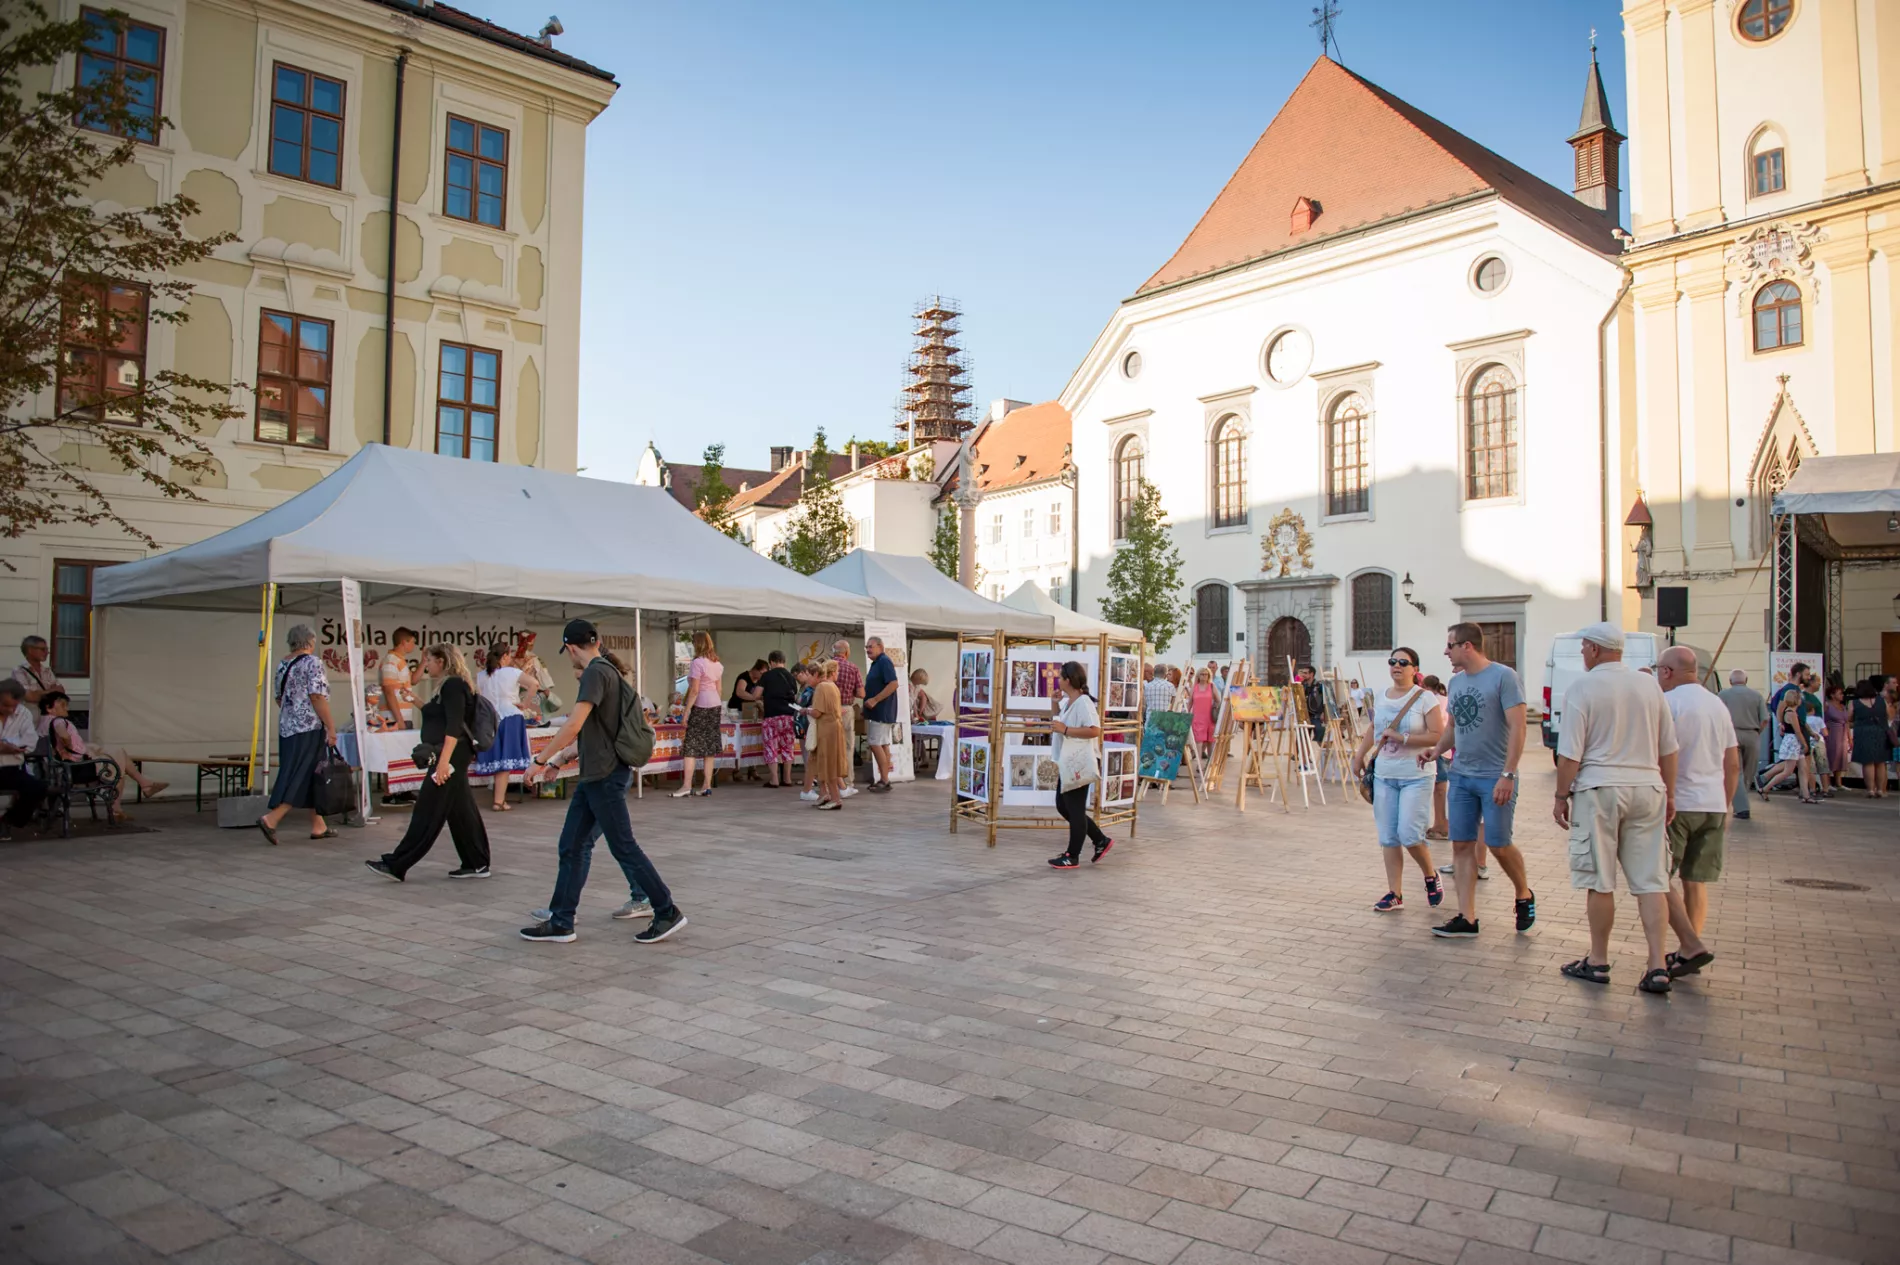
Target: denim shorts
(1468, 802)
(1402, 809)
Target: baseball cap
(1607, 635)
(581, 633)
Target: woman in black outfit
(445, 798)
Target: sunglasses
(1400, 663)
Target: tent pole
(639, 656)
(270, 617)
(257, 707)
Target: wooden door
(1287, 638)
(1890, 654)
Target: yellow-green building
(284, 127)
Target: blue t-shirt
(883, 672)
(1478, 702)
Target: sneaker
(1448, 868)
(1742, 816)
(1484, 874)
(1101, 850)
(634, 909)
(662, 926)
(1064, 862)
(383, 869)
(1459, 928)
(880, 786)
(703, 793)
(1434, 892)
(1388, 903)
(810, 797)
(1527, 912)
(848, 792)
(541, 915)
(548, 933)
(469, 871)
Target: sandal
(1656, 981)
(1679, 966)
(270, 831)
(1586, 970)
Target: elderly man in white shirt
(1616, 787)
(19, 734)
(1708, 769)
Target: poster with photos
(1033, 679)
(973, 768)
(1124, 683)
(1029, 771)
(1119, 769)
(973, 678)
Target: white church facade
(1376, 390)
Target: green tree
(946, 547)
(820, 533)
(1144, 580)
(72, 281)
(712, 495)
(875, 449)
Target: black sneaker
(1459, 928)
(1064, 862)
(1527, 912)
(1101, 850)
(469, 871)
(662, 926)
(880, 786)
(382, 868)
(548, 933)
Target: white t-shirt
(20, 730)
(1704, 731)
(502, 688)
(1080, 713)
(1617, 727)
(1400, 764)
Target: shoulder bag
(1365, 778)
(1077, 765)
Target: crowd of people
(1818, 735)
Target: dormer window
(1305, 211)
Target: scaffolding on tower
(936, 402)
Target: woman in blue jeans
(1405, 719)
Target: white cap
(1607, 635)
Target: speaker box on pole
(1672, 606)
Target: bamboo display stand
(997, 720)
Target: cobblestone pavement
(877, 1042)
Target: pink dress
(1201, 706)
(1837, 737)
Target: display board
(973, 768)
(1123, 693)
(1163, 738)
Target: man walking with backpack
(611, 729)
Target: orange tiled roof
(1028, 445)
(783, 487)
(1364, 156)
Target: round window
(1131, 365)
(1288, 356)
(1490, 275)
(1764, 19)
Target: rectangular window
(468, 402)
(306, 126)
(1500, 642)
(996, 529)
(1029, 524)
(293, 380)
(1768, 173)
(102, 351)
(135, 56)
(477, 172)
(1055, 518)
(72, 616)
(1058, 590)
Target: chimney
(798, 457)
(781, 457)
(1598, 147)
(999, 409)
(852, 449)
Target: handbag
(332, 785)
(1077, 766)
(1365, 777)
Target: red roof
(776, 489)
(1028, 445)
(1364, 157)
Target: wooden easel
(1300, 749)
(1238, 674)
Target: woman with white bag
(1077, 727)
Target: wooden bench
(231, 772)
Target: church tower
(1598, 147)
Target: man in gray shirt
(1749, 711)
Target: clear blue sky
(776, 184)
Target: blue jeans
(597, 809)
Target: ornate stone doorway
(1276, 609)
(1287, 639)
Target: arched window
(1767, 164)
(1230, 473)
(1491, 435)
(1128, 480)
(1763, 19)
(1347, 491)
(1777, 316)
(1372, 612)
(1210, 618)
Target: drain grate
(1825, 885)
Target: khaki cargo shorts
(1696, 843)
(1612, 826)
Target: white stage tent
(1031, 597)
(911, 590)
(462, 550)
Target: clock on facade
(1288, 356)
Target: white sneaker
(634, 909)
(810, 797)
(1484, 872)
(848, 792)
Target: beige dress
(830, 758)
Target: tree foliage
(69, 276)
(712, 495)
(1144, 580)
(820, 533)
(875, 449)
(946, 552)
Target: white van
(1565, 664)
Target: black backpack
(484, 724)
(632, 736)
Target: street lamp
(1405, 591)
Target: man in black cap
(600, 798)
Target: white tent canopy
(911, 589)
(1867, 484)
(404, 522)
(1030, 597)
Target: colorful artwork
(1034, 679)
(973, 768)
(1163, 738)
(1029, 768)
(1253, 704)
(1118, 773)
(973, 678)
(1124, 683)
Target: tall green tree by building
(946, 553)
(712, 496)
(820, 533)
(1144, 580)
